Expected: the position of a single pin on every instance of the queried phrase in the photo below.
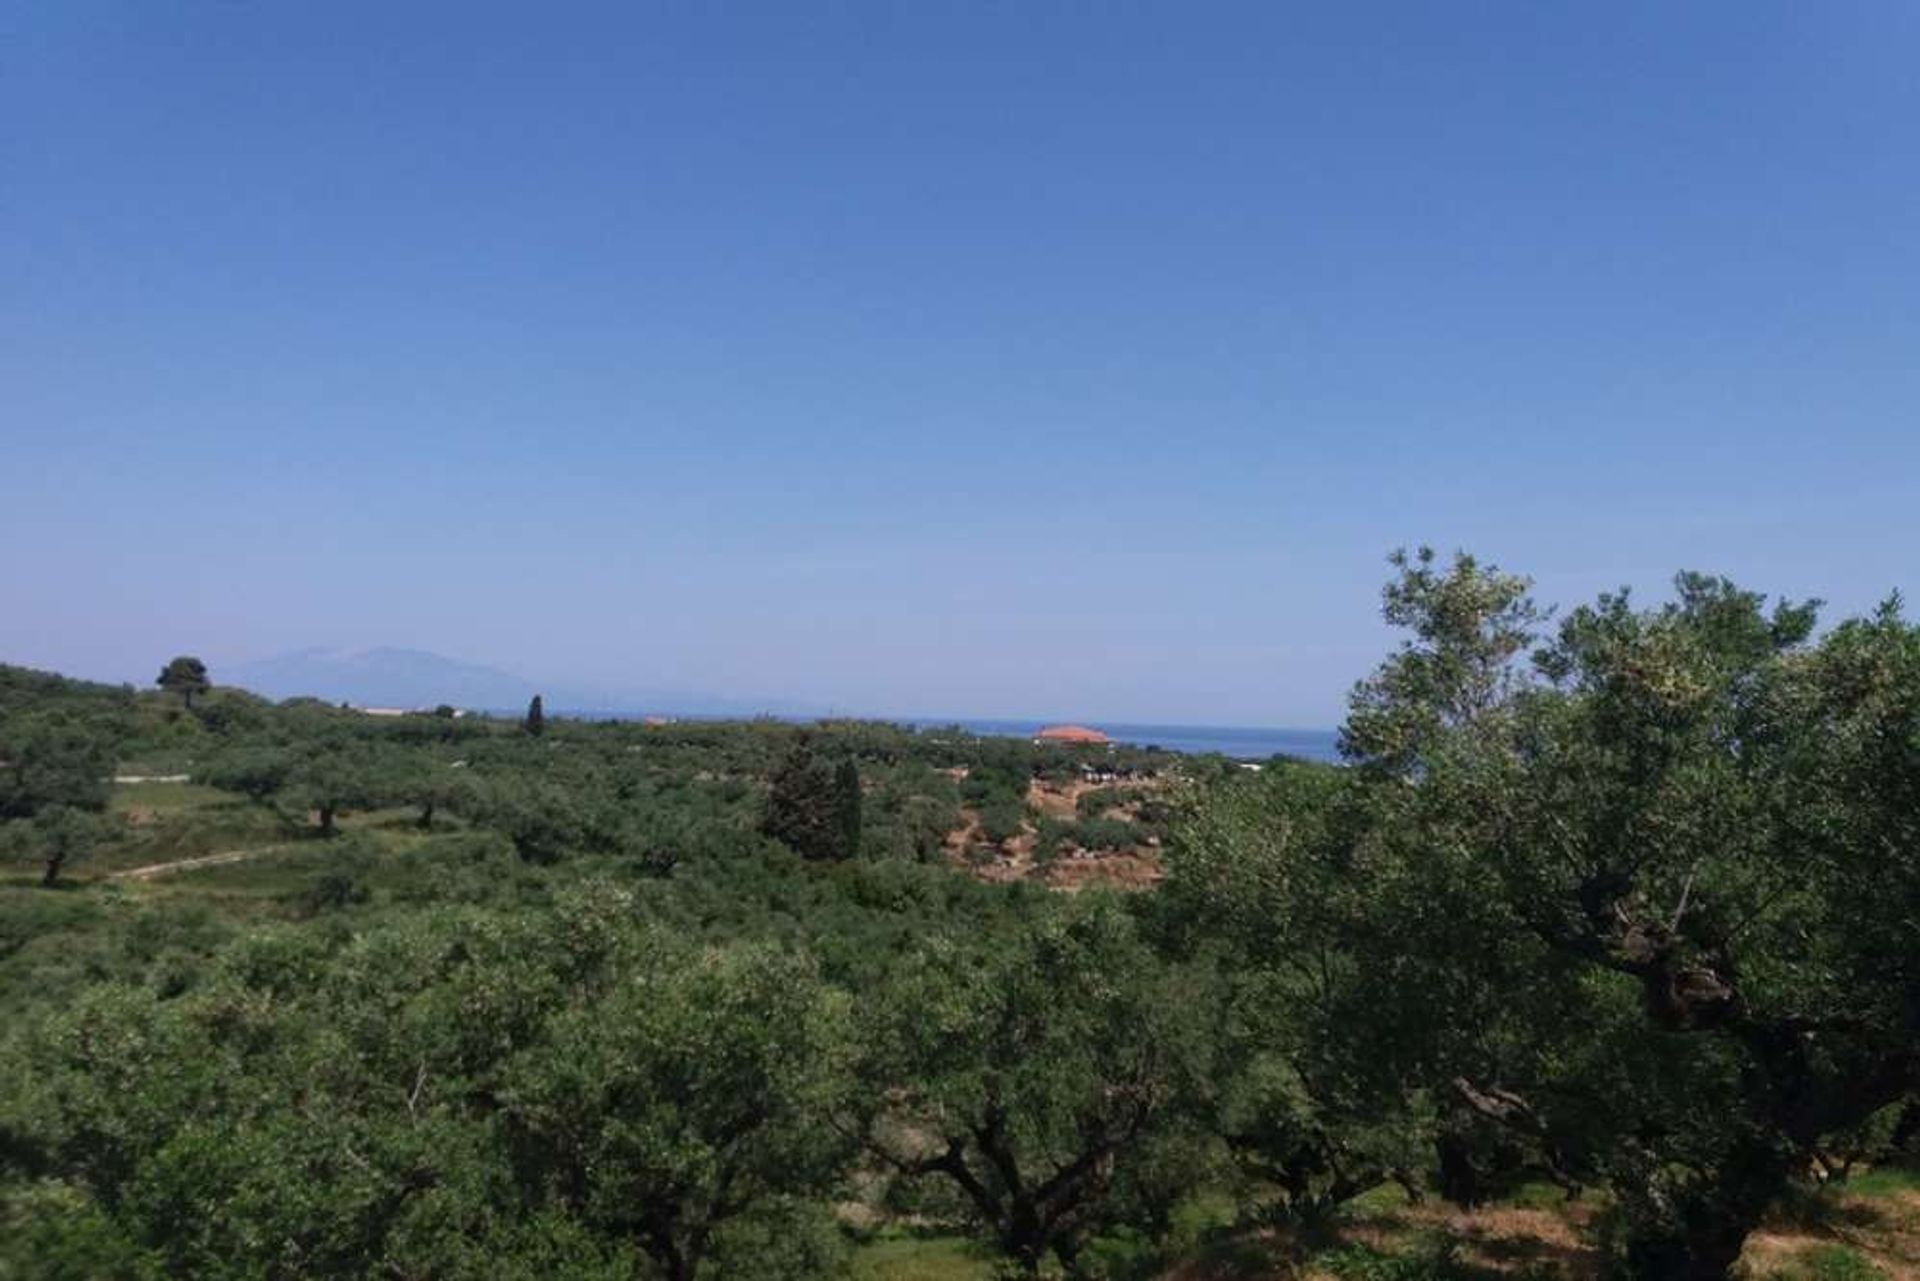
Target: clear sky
(951, 358)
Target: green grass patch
(911, 1258)
(1830, 1262)
(182, 834)
(1208, 1210)
(1430, 1258)
(1885, 1181)
(1385, 1199)
(166, 798)
(1537, 1196)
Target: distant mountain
(385, 677)
(393, 677)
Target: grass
(913, 1258)
(1885, 1181)
(1537, 1196)
(165, 798)
(1386, 1199)
(1829, 1262)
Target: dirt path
(185, 864)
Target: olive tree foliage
(55, 775)
(338, 776)
(430, 781)
(1468, 624)
(325, 774)
(462, 1093)
(1041, 1073)
(1689, 836)
(1319, 1087)
(685, 1102)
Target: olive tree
(1696, 828)
(55, 776)
(1320, 1073)
(1032, 1071)
(690, 1101)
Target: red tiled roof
(1072, 734)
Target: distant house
(1070, 734)
(408, 711)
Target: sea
(1240, 743)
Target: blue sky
(977, 359)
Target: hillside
(1604, 965)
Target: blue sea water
(1238, 742)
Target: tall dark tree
(536, 722)
(846, 797)
(812, 808)
(185, 676)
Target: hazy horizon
(1008, 361)
(560, 699)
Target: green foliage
(1640, 909)
(1468, 624)
(1320, 1096)
(1002, 819)
(185, 676)
(254, 771)
(51, 762)
(1104, 834)
(1033, 1071)
(54, 781)
(1684, 849)
(1886, 1181)
(1434, 1258)
(334, 776)
(276, 1120)
(55, 1230)
(847, 805)
(683, 1100)
(922, 1258)
(1829, 1262)
(813, 808)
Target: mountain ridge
(400, 676)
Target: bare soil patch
(1074, 869)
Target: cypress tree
(846, 802)
(810, 808)
(536, 723)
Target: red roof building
(1070, 734)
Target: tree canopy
(1623, 899)
(185, 676)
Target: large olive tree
(1040, 1073)
(1697, 828)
